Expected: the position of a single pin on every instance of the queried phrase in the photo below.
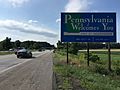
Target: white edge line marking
(14, 66)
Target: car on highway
(11, 49)
(18, 48)
(24, 53)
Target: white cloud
(77, 5)
(58, 20)
(32, 21)
(17, 3)
(27, 28)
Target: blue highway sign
(88, 27)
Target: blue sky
(40, 19)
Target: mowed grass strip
(115, 56)
(6, 52)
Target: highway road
(26, 74)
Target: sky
(39, 20)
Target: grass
(6, 53)
(62, 78)
(95, 77)
(115, 57)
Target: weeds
(95, 77)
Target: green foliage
(95, 77)
(7, 44)
(101, 69)
(36, 46)
(117, 70)
(59, 45)
(17, 43)
(62, 79)
(73, 48)
(93, 58)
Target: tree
(17, 43)
(73, 48)
(6, 44)
(36, 46)
(61, 45)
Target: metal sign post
(67, 54)
(109, 57)
(88, 53)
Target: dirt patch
(76, 84)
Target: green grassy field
(94, 77)
(6, 53)
(115, 57)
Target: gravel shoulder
(32, 75)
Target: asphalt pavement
(10, 61)
(26, 74)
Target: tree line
(7, 44)
(74, 47)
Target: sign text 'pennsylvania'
(88, 27)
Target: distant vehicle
(24, 53)
(40, 50)
(11, 49)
